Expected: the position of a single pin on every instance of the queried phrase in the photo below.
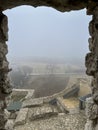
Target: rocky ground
(60, 122)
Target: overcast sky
(46, 32)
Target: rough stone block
(21, 118)
(91, 64)
(89, 105)
(89, 125)
(32, 102)
(7, 114)
(13, 115)
(42, 112)
(9, 125)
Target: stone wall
(61, 5)
(92, 70)
(5, 87)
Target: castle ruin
(91, 60)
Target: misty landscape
(45, 76)
(44, 53)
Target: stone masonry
(92, 70)
(5, 87)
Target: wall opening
(46, 48)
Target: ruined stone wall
(5, 87)
(92, 70)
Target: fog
(46, 48)
(46, 32)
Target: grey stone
(91, 29)
(91, 45)
(4, 69)
(4, 26)
(9, 125)
(21, 117)
(91, 63)
(7, 114)
(42, 112)
(89, 104)
(96, 128)
(61, 5)
(89, 125)
(92, 69)
(59, 122)
(32, 102)
(13, 115)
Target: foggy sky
(46, 32)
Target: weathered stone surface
(4, 49)
(95, 97)
(91, 64)
(7, 114)
(21, 117)
(42, 112)
(2, 120)
(89, 125)
(89, 103)
(94, 112)
(5, 87)
(32, 102)
(62, 5)
(94, 86)
(91, 109)
(13, 115)
(22, 94)
(91, 28)
(96, 128)
(91, 45)
(92, 69)
(4, 27)
(60, 122)
(9, 125)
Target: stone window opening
(91, 58)
(18, 49)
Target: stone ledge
(9, 125)
(21, 118)
(32, 103)
(42, 112)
